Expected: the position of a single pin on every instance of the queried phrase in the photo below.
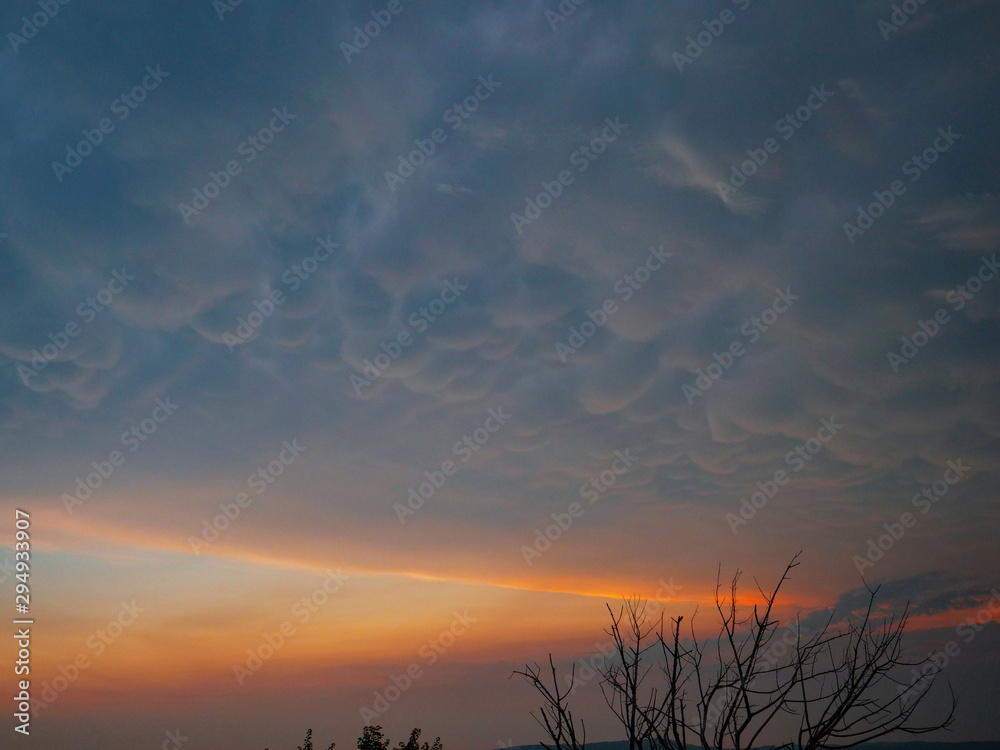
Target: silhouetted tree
(308, 744)
(414, 743)
(839, 685)
(372, 739)
(623, 682)
(555, 716)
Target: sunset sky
(417, 349)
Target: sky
(334, 361)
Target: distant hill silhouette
(906, 745)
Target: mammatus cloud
(688, 292)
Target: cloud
(324, 176)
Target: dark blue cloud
(656, 185)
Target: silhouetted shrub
(372, 739)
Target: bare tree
(838, 685)
(555, 716)
(623, 682)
